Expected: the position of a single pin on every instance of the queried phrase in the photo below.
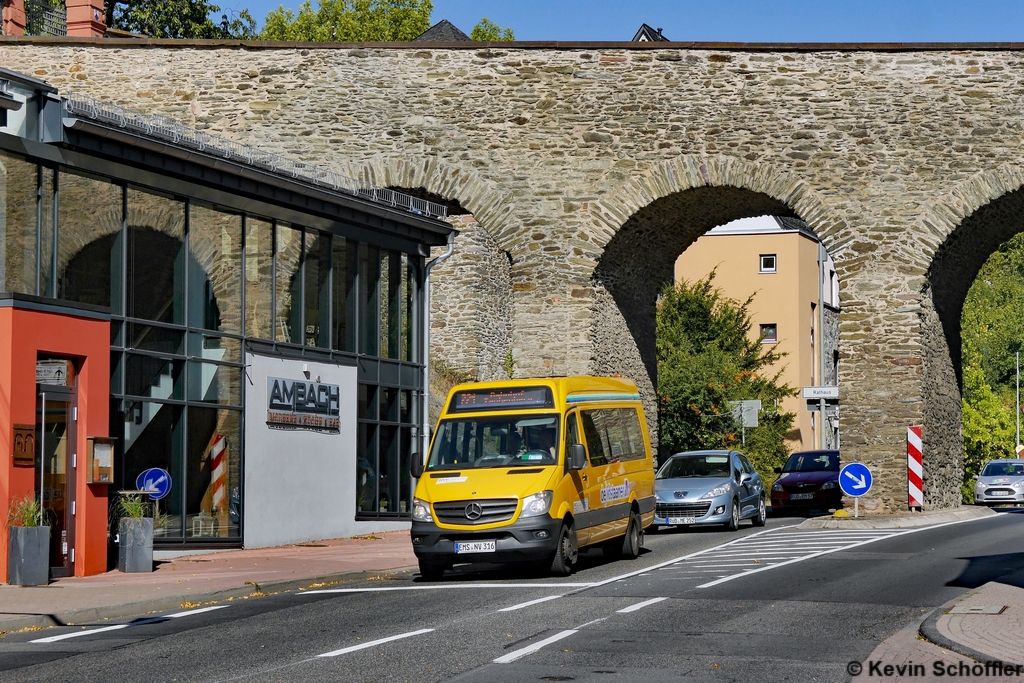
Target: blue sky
(730, 20)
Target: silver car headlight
(1018, 484)
(537, 504)
(718, 491)
(421, 510)
(829, 485)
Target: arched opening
(644, 257)
(950, 277)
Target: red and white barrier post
(915, 481)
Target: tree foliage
(992, 331)
(350, 21)
(190, 19)
(487, 30)
(706, 358)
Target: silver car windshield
(695, 466)
(1004, 469)
(495, 441)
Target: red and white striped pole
(915, 481)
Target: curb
(929, 630)
(901, 522)
(144, 607)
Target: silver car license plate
(1000, 493)
(474, 547)
(801, 496)
(682, 520)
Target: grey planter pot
(28, 555)
(135, 545)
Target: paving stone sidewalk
(904, 521)
(192, 579)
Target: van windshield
(495, 441)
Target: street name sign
(154, 481)
(826, 393)
(855, 479)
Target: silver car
(1001, 481)
(708, 487)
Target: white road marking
(521, 605)
(371, 643)
(640, 605)
(154, 620)
(529, 649)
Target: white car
(1001, 481)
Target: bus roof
(571, 390)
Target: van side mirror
(577, 457)
(416, 465)
(778, 470)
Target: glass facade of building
(193, 286)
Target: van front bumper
(525, 540)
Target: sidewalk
(191, 579)
(904, 521)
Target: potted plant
(135, 535)
(28, 544)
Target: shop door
(55, 477)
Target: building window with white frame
(768, 263)
(769, 333)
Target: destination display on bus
(502, 399)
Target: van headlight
(718, 491)
(421, 510)
(537, 504)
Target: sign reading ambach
(297, 404)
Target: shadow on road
(1007, 568)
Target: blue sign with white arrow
(154, 481)
(855, 479)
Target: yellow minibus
(532, 470)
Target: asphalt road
(774, 604)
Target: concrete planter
(135, 544)
(28, 555)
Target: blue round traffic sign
(154, 481)
(855, 479)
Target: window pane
(388, 404)
(215, 270)
(289, 284)
(369, 282)
(153, 437)
(46, 287)
(402, 473)
(317, 262)
(408, 309)
(259, 251)
(592, 433)
(156, 268)
(89, 241)
(345, 260)
(18, 240)
(211, 383)
(390, 303)
(366, 469)
(153, 338)
(209, 347)
(389, 472)
(153, 377)
(213, 491)
(367, 402)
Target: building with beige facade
(795, 306)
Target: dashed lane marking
(521, 605)
(388, 589)
(154, 620)
(372, 643)
(640, 605)
(529, 649)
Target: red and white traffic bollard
(915, 481)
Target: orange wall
(23, 335)
(783, 297)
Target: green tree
(487, 30)
(989, 428)
(189, 19)
(350, 21)
(706, 359)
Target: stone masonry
(593, 166)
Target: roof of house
(646, 34)
(443, 31)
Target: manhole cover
(977, 609)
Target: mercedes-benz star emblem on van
(474, 511)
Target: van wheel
(631, 541)
(762, 512)
(734, 516)
(432, 571)
(566, 552)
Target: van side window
(613, 435)
(571, 432)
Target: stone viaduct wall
(594, 166)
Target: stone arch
(645, 225)
(960, 231)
